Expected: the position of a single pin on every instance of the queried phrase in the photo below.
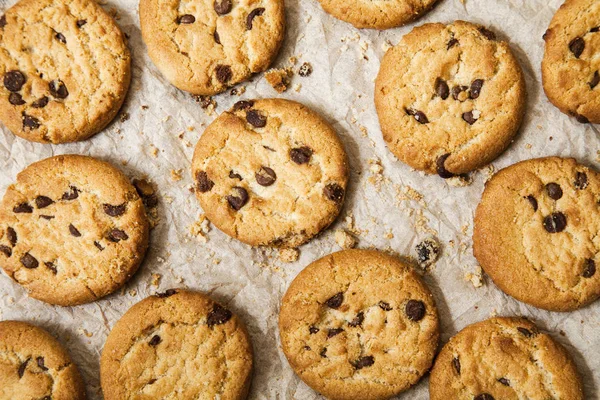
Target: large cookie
(377, 14)
(65, 69)
(33, 365)
(450, 98)
(270, 172)
(359, 324)
(504, 359)
(536, 232)
(177, 345)
(72, 229)
(570, 68)
(206, 46)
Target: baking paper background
(385, 206)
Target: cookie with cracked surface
(34, 365)
(65, 69)
(72, 229)
(450, 98)
(377, 14)
(504, 358)
(174, 345)
(359, 324)
(270, 172)
(538, 220)
(206, 46)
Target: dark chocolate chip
(222, 7)
(504, 381)
(166, 293)
(589, 268)
(30, 122)
(72, 194)
(3, 21)
(334, 192)
(51, 267)
(218, 316)
(533, 202)
(114, 211)
(14, 80)
(362, 362)
(40, 363)
(595, 29)
(155, 341)
(116, 235)
(487, 33)
(415, 310)
(186, 19)
(323, 352)
(313, 330)
(48, 217)
(469, 118)
(525, 332)
(98, 245)
(305, 70)
(11, 235)
(253, 14)
(204, 184)
(335, 331)
(224, 73)
(234, 175)
(457, 90)
(23, 208)
(441, 88)
(238, 199)
(58, 89)
(484, 396)
(243, 105)
(358, 320)
(595, 80)
(451, 43)
(384, 306)
(22, 367)
(580, 118)
(256, 119)
(74, 231)
(150, 201)
(6, 250)
(456, 365)
(335, 301)
(217, 37)
(81, 23)
(441, 168)
(43, 201)
(576, 46)
(418, 115)
(40, 103)
(60, 37)
(301, 155)
(555, 222)
(581, 180)
(265, 176)
(29, 261)
(554, 190)
(15, 99)
(476, 88)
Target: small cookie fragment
(428, 252)
(345, 240)
(289, 255)
(279, 79)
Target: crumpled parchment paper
(390, 206)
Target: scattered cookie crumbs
(428, 252)
(155, 280)
(289, 255)
(344, 239)
(146, 191)
(153, 151)
(85, 332)
(297, 87)
(293, 60)
(488, 172)
(176, 174)
(528, 146)
(238, 91)
(133, 292)
(493, 313)
(168, 199)
(200, 228)
(305, 69)
(412, 194)
(363, 131)
(388, 235)
(124, 117)
(460, 180)
(207, 103)
(475, 277)
(279, 78)
(464, 229)
(145, 107)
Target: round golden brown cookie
(538, 221)
(377, 14)
(206, 46)
(65, 69)
(570, 68)
(72, 229)
(270, 172)
(504, 359)
(450, 98)
(33, 365)
(359, 324)
(177, 345)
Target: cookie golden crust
(570, 69)
(377, 14)
(177, 345)
(206, 46)
(359, 324)
(33, 365)
(65, 69)
(536, 233)
(72, 229)
(450, 98)
(504, 358)
(270, 172)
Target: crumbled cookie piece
(345, 240)
(428, 252)
(289, 255)
(305, 69)
(475, 277)
(176, 174)
(279, 79)
(155, 280)
(460, 180)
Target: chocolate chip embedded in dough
(363, 362)
(238, 199)
(186, 19)
(384, 306)
(595, 80)
(23, 208)
(7, 251)
(334, 192)
(265, 176)
(222, 7)
(256, 119)
(451, 43)
(218, 316)
(22, 367)
(166, 293)
(333, 332)
(576, 46)
(81, 23)
(72, 194)
(525, 332)
(589, 268)
(335, 301)
(415, 310)
(301, 155)
(41, 363)
(257, 12)
(29, 261)
(441, 88)
(313, 329)
(441, 168)
(224, 73)
(475, 90)
(456, 364)
(14, 80)
(487, 33)
(532, 200)
(418, 115)
(581, 180)
(41, 102)
(358, 320)
(114, 211)
(155, 341)
(484, 396)
(58, 89)
(74, 231)
(60, 37)
(504, 381)
(15, 99)
(116, 235)
(43, 201)
(555, 222)
(30, 122)
(554, 191)
(11, 235)
(469, 117)
(243, 105)
(204, 183)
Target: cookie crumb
(145, 107)
(475, 277)
(344, 239)
(207, 103)
(460, 180)
(176, 174)
(153, 151)
(305, 69)
(289, 255)
(428, 252)
(124, 117)
(297, 87)
(279, 79)
(238, 91)
(200, 228)
(155, 279)
(133, 292)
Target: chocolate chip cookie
(504, 359)
(377, 14)
(536, 231)
(177, 344)
(34, 365)
(72, 229)
(359, 324)
(570, 68)
(270, 172)
(206, 46)
(65, 69)
(450, 98)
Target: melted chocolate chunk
(265, 176)
(23, 208)
(72, 194)
(301, 155)
(3, 21)
(43, 201)
(224, 73)
(363, 362)
(333, 332)
(186, 19)
(29, 261)
(14, 80)
(155, 341)
(204, 184)
(441, 88)
(114, 211)
(74, 231)
(30, 122)
(440, 167)
(243, 105)
(554, 190)
(238, 199)
(40, 103)
(589, 268)
(335, 301)
(15, 99)
(253, 14)
(116, 235)
(334, 192)
(11, 235)
(415, 310)
(7, 251)
(256, 119)
(555, 222)
(576, 46)
(218, 316)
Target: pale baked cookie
(72, 229)
(270, 172)
(33, 365)
(359, 324)
(65, 69)
(570, 68)
(536, 233)
(450, 98)
(377, 14)
(206, 46)
(504, 359)
(177, 345)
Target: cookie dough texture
(570, 68)
(33, 365)
(450, 98)
(270, 172)
(359, 324)
(65, 68)
(377, 14)
(536, 233)
(206, 46)
(177, 345)
(72, 229)
(504, 359)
